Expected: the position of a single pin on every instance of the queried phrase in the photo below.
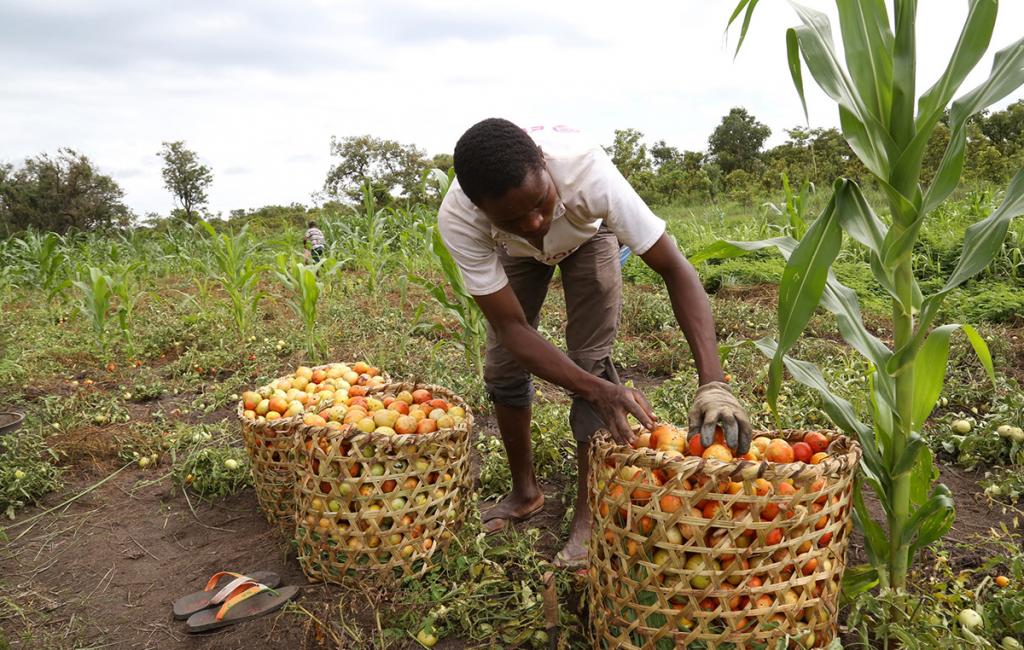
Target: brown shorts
(592, 281)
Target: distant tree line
(68, 192)
(736, 166)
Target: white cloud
(258, 88)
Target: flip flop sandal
(249, 600)
(508, 519)
(188, 605)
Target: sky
(258, 88)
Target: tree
(443, 161)
(736, 142)
(185, 177)
(60, 194)
(629, 154)
(387, 165)
(813, 154)
(1005, 128)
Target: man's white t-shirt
(591, 191)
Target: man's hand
(614, 402)
(714, 403)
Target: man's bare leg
(574, 553)
(526, 497)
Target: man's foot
(573, 555)
(575, 552)
(511, 509)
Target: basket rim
(842, 463)
(349, 432)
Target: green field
(148, 371)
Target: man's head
(312, 224)
(502, 171)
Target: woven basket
(270, 447)
(708, 557)
(379, 503)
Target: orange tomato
(694, 448)
(779, 451)
(660, 436)
(816, 441)
(421, 395)
(810, 566)
(670, 503)
(802, 452)
(718, 452)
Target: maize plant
(94, 301)
(45, 264)
(873, 81)
(238, 273)
(124, 286)
(366, 240)
(304, 289)
(460, 305)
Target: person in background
(314, 243)
(524, 201)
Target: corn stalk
(304, 289)
(95, 293)
(44, 263)
(238, 273)
(128, 293)
(460, 304)
(888, 127)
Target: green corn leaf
(1007, 76)
(866, 134)
(802, 285)
(970, 48)
(723, 249)
(981, 243)
(883, 417)
(930, 367)
(868, 46)
(923, 475)
(904, 76)
(795, 69)
(858, 580)
(837, 298)
(877, 542)
(746, 7)
(808, 374)
(983, 239)
(930, 521)
(908, 459)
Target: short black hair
(492, 157)
(312, 224)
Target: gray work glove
(714, 403)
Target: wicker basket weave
(379, 503)
(718, 553)
(269, 444)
